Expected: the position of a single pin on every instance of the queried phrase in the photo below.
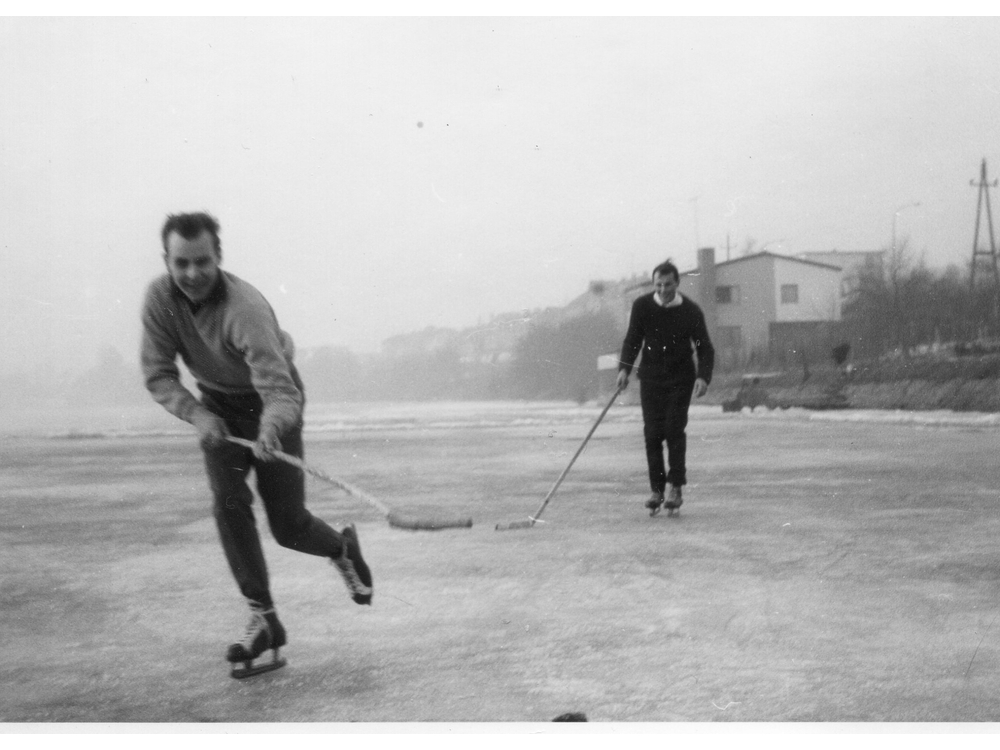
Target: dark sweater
(666, 336)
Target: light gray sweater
(230, 343)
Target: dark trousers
(281, 488)
(664, 417)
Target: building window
(789, 294)
(729, 338)
(727, 295)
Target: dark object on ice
(571, 717)
(822, 402)
(840, 353)
(751, 394)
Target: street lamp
(895, 216)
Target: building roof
(768, 254)
(835, 251)
(755, 256)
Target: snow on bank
(939, 418)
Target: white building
(763, 303)
(766, 303)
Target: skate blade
(653, 511)
(248, 669)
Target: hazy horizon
(376, 176)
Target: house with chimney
(763, 304)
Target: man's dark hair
(667, 267)
(189, 226)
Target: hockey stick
(532, 520)
(394, 519)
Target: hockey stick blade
(398, 522)
(516, 525)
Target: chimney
(706, 289)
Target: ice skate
(264, 631)
(674, 501)
(353, 569)
(654, 503)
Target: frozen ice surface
(151, 421)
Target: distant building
(772, 304)
(852, 264)
(764, 303)
(494, 342)
(612, 298)
(430, 339)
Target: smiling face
(665, 284)
(193, 264)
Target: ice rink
(825, 567)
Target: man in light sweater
(228, 337)
(669, 330)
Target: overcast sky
(375, 176)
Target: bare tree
(897, 267)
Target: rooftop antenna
(984, 199)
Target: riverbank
(917, 383)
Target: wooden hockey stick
(394, 519)
(532, 520)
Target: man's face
(193, 264)
(666, 286)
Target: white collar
(673, 303)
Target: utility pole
(984, 186)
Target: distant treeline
(110, 382)
(549, 362)
(908, 305)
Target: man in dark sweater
(669, 330)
